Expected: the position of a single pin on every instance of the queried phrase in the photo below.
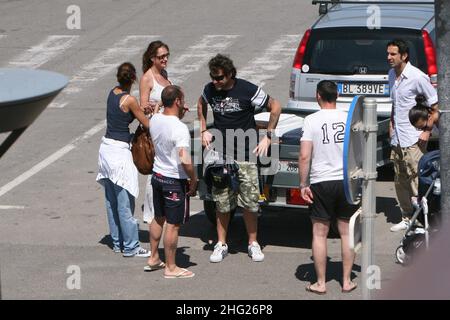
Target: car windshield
(350, 51)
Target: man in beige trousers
(408, 144)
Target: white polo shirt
(404, 90)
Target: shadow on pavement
(144, 237)
(388, 206)
(107, 241)
(286, 228)
(385, 173)
(305, 272)
(182, 259)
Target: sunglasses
(423, 128)
(217, 78)
(163, 56)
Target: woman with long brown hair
(152, 83)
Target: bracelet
(304, 186)
(204, 130)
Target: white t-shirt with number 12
(326, 129)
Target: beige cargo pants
(406, 180)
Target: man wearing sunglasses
(233, 102)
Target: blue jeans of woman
(122, 225)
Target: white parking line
(52, 158)
(274, 57)
(103, 64)
(194, 58)
(197, 55)
(108, 61)
(12, 207)
(51, 47)
(259, 70)
(58, 105)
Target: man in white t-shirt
(320, 160)
(171, 169)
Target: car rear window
(345, 50)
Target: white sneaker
(419, 230)
(254, 251)
(402, 225)
(220, 251)
(139, 252)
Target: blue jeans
(122, 225)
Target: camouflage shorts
(248, 194)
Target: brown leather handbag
(143, 150)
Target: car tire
(210, 210)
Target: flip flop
(180, 275)
(350, 290)
(309, 289)
(158, 266)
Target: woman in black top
(117, 172)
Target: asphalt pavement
(52, 218)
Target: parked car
(282, 188)
(340, 46)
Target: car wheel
(210, 211)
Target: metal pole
(368, 191)
(442, 13)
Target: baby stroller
(425, 218)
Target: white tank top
(157, 89)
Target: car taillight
(430, 54)
(298, 60)
(293, 196)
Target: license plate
(375, 89)
(288, 166)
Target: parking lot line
(197, 55)
(11, 207)
(58, 105)
(104, 63)
(48, 49)
(52, 158)
(194, 58)
(107, 61)
(271, 60)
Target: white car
(345, 46)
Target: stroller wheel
(400, 256)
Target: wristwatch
(269, 134)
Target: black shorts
(169, 199)
(329, 201)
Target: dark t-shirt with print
(235, 109)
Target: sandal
(184, 273)
(309, 289)
(158, 266)
(355, 285)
